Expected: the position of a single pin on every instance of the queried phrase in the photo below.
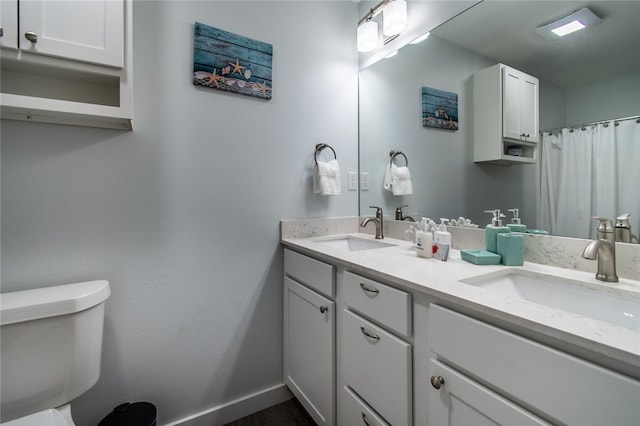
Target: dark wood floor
(288, 413)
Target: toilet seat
(49, 417)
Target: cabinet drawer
(380, 302)
(377, 368)
(355, 411)
(317, 275)
(566, 388)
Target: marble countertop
(400, 265)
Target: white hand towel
(398, 180)
(326, 178)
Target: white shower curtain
(589, 171)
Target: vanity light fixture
(394, 20)
(394, 17)
(367, 36)
(576, 21)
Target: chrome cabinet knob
(31, 36)
(437, 381)
(323, 309)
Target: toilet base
(51, 417)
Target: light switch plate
(364, 181)
(352, 181)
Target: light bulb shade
(394, 17)
(367, 36)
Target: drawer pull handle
(364, 419)
(369, 289)
(369, 335)
(323, 309)
(437, 381)
(31, 36)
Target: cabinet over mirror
(591, 76)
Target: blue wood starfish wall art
(230, 62)
(439, 109)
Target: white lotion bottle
(424, 239)
(424, 244)
(442, 241)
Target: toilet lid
(43, 418)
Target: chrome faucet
(377, 220)
(401, 216)
(604, 248)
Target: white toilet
(51, 345)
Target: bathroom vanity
(375, 335)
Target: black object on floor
(131, 414)
(288, 413)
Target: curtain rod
(593, 123)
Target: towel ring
(393, 154)
(320, 147)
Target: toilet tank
(51, 345)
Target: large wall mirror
(585, 77)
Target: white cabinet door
(520, 105)
(9, 24)
(88, 31)
(460, 401)
(309, 363)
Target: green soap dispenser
(493, 229)
(516, 225)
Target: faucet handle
(378, 209)
(605, 224)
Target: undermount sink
(352, 243)
(563, 294)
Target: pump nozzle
(515, 219)
(497, 217)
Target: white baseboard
(234, 410)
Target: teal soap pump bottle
(493, 229)
(516, 224)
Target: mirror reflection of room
(588, 144)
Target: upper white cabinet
(68, 62)
(87, 31)
(505, 116)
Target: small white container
(424, 244)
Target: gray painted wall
(181, 215)
(553, 106)
(616, 97)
